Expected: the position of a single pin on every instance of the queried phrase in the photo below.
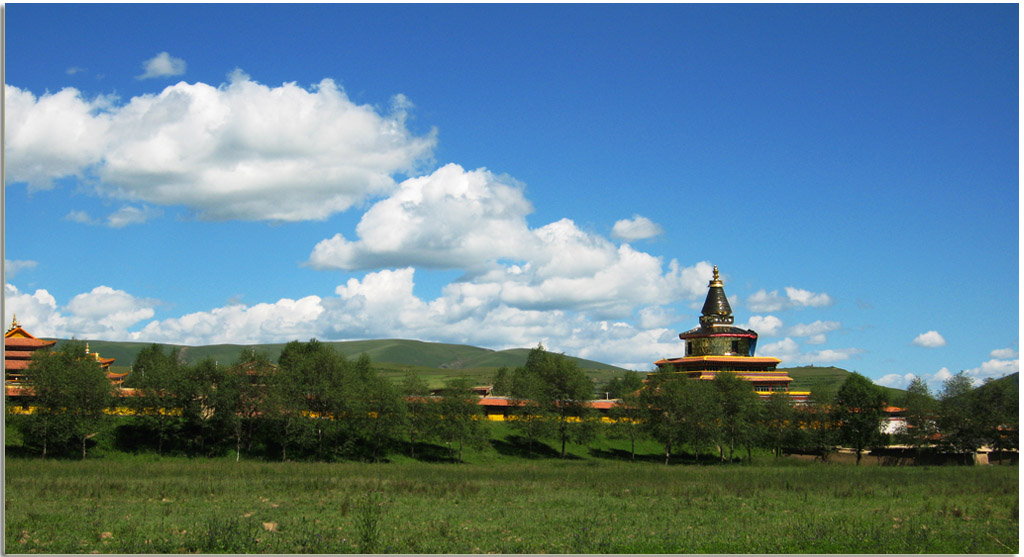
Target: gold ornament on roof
(716, 281)
(14, 323)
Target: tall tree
(376, 410)
(561, 392)
(919, 408)
(817, 425)
(71, 394)
(461, 417)
(779, 414)
(154, 376)
(959, 416)
(681, 411)
(740, 409)
(421, 411)
(999, 408)
(628, 421)
(310, 392)
(859, 409)
(244, 392)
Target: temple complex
(18, 348)
(716, 346)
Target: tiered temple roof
(716, 346)
(18, 348)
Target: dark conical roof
(716, 309)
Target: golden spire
(14, 323)
(716, 281)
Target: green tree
(628, 421)
(681, 411)
(154, 376)
(502, 382)
(205, 406)
(460, 420)
(71, 394)
(560, 393)
(779, 415)
(999, 409)
(244, 392)
(421, 411)
(309, 396)
(376, 410)
(859, 406)
(919, 408)
(618, 387)
(959, 416)
(740, 409)
(817, 425)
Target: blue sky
(503, 175)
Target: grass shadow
(517, 446)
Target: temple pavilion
(18, 348)
(716, 346)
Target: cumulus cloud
(162, 65)
(931, 339)
(637, 228)
(102, 313)
(448, 219)
(790, 353)
(14, 266)
(131, 215)
(1004, 353)
(895, 380)
(763, 301)
(764, 325)
(242, 150)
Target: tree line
(316, 404)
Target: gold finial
(14, 323)
(715, 281)
(87, 348)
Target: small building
(716, 346)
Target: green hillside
(828, 379)
(394, 358)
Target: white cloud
(74, 69)
(763, 301)
(238, 151)
(805, 298)
(56, 135)
(449, 219)
(103, 313)
(14, 266)
(637, 228)
(162, 65)
(131, 215)
(764, 325)
(895, 380)
(790, 353)
(931, 339)
(1004, 353)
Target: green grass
(150, 505)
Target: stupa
(716, 346)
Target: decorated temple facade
(716, 346)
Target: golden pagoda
(716, 346)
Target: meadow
(511, 504)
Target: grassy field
(503, 501)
